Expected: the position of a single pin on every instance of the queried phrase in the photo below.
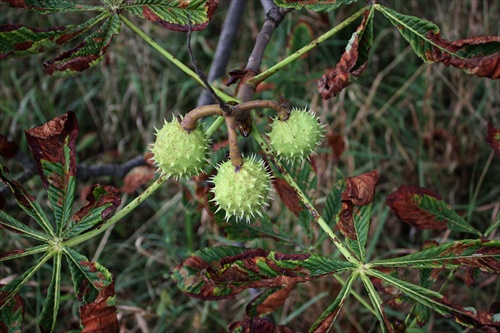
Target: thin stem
(118, 216)
(226, 98)
(285, 62)
(302, 197)
(234, 150)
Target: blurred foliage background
(415, 123)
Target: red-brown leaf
(336, 142)
(287, 195)
(346, 220)
(100, 315)
(493, 138)
(346, 70)
(480, 65)
(47, 143)
(406, 209)
(109, 195)
(360, 190)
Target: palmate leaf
(52, 6)
(328, 317)
(18, 40)
(29, 206)
(479, 56)
(88, 53)
(377, 303)
(173, 14)
(466, 316)
(316, 5)
(476, 253)
(54, 148)
(221, 272)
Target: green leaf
(53, 147)
(88, 53)
(258, 228)
(443, 212)
(328, 317)
(12, 288)
(173, 14)
(48, 316)
(334, 202)
(23, 253)
(316, 5)
(466, 316)
(29, 206)
(215, 273)
(52, 6)
(476, 253)
(89, 278)
(18, 40)
(362, 217)
(377, 303)
(11, 316)
(102, 201)
(479, 55)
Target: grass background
(415, 123)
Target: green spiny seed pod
(241, 192)
(180, 153)
(298, 136)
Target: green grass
(415, 123)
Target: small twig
(118, 171)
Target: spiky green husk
(179, 153)
(298, 136)
(244, 192)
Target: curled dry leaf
(47, 144)
(493, 138)
(403, 204)
(287, 195)
(352, 63)
(360, 190)
(100, 315)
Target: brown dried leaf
(493, 138)
(287, 195)
(346, 220)
(258, 325)
(100, 315)
(360, 190)
(351, 64)
(406, 209)
(480, 65)
(137, 177)
(48, 142)
(8, 149)
(98, 196)
(268, 301)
